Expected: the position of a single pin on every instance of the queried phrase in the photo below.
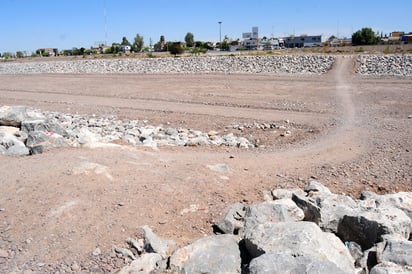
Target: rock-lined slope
(307, 64)
(394, 65)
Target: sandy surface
(352, 133)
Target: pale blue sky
(27, 24)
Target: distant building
(407, 38)
(48, 51)
(125, 48)
(304, 41)
(397, 33)
(251, 39)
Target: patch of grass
(387, 50)
(360, 49)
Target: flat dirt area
(351, 133)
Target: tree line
(365, 36)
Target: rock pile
(307, 64)
(395, 65)
(25, 131)
(293, 231)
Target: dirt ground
(349, 132)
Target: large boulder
(213, 254)
(401, 200)
(12, 146)
(333, 208)
(15, 115)
(44, 125)
(293, 210)
(367, 227)
(309, 207)
(39, 141)
(265, 212)
(298, 239)
(395, 251)
(314, 188)
(279, 263)
(232, 220)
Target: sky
(26, 25)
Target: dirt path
(61, 205)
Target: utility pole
(220, 35)
(105, 23)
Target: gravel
(301, 64)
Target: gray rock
(39, 141)
(152, 243)
(233, 219)
(43, 125)
(15, 115)
(17, 150)
(333, 208)
(265, 212)
(198, 141)
(292, 264)
(281, 193)
(298, 239)
(8, 130)
(399, 252)
(390, 268)
(12, 145)
(315, 188)
(144, 264)
(85, 136)
(125, 252)
(355, 251)
(401, 200)
(367, 227)
(213, 254)
(135, 244)
(293, 210)
(34, 125)
(368, 260)
(309, 207)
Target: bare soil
(351, 133)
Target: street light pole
(220, 35)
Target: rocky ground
(67, 208)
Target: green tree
(125, 42)
(7, 55)
(225, 46)
(175, 48)
(161, 45)
(115, 48)
(138, 43)
(20, 54)
(189, 39)
(331, 38)
(365, 36)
